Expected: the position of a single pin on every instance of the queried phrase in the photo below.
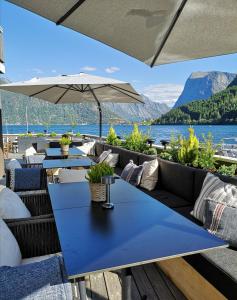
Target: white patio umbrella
(77, 88)
(153, 31)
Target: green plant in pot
(64, 143)
(94, 175)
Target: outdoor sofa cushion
(13, 164)
(103, 156)
(88, 148)
(221, 220)
(10, 254)
(26, 179)
(132, 173)
(176, 179)
(112, 159)
(150, 175)
(67, 175)
(41, 280)
(217, 190)
(11, 205)
(35, 159)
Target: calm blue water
(158, 132)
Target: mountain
(220, 108)
(202, 85)
(39, 112)
(233, 83)
(138, 112)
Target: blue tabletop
(67, 163)
(56, 152)
(138, 230)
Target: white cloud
(37, 71)
(112, 69)
(166, 93)
(88, 69)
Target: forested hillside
(220, 108)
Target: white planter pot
(65, 148)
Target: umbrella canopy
(77, 88)
(153, 31)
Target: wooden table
(56, 152)
(84, 162)
(139, 230)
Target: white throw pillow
(67, 176)
(112, 159)
(30, 151)
(150, 175)
(87, 148)
(216, 190)
(13, 164)
(11, 205)
(103, 156)
(10, 254)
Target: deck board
(148, 282)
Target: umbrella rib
(44, 90)
(63, 94)
(88, 89)
(115, 88)
(69, 12)
(168, 32)
(118, 87)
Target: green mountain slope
(220, 108)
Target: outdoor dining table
(84, 162)
(139, 230)
(56, 152)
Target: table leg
(127, 284)
(82, 288)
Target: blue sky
(36, 47)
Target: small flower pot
(65, 148)
(98, 192)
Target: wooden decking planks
(148, 282)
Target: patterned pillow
(221, 220)
(150, 175)
(214, 189)
(112, 159)
(132, 173)
(103, 156)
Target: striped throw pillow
(216, 190)
(221, 220)
(132, 173)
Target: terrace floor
(148, 282)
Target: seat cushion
(10, 254)
(40, 280)
(167, 198)
(31, 260)
(219, 267)
(176, 179)
(66, 175)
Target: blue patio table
(84, 162)
(139, 230)
(56, 152)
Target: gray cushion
(221, 220)
(44, 280)
(132, 173)
(176, 179)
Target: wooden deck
(148, 282)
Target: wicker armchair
(35, 237)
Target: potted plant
(65, 142)
(94, 175)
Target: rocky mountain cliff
(202, 85)
(39, 112)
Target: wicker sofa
(178, 187)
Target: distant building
(2, 66)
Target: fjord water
(226, 133)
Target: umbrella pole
(99, 109)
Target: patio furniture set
(144, 226)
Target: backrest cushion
(176, 178)
(10, 254)
(112, 159)
(216, 190)
(150, 175)
(221, 220)
(66, 175)
(11, 205)
(30, 151)
(13, 164)
(99, 148)
(103, 156)
(127, 155)
(88, 148)
(132, 173)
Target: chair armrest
(36, 237)
(38, 204)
